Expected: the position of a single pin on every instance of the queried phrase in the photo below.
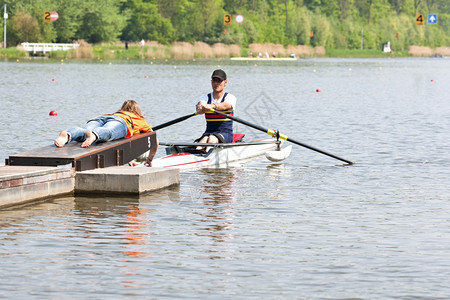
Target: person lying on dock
(122, 124)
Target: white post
(5, 16)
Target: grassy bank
(12, 52)
(200, 50)
(341, 53)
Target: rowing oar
(281, 136)
(177, 120)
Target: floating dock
(50, 171)
(101, 155)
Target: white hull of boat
(217, 157)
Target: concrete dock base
(23, 184)
(125, 180)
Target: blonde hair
(132, 106)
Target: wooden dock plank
(98, 155)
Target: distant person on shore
(218, 128)
(126, 45)
(142, 43)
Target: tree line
(333, 24)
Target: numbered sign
(50, 16)
(47, 15)
(419, 19)
(227, 20)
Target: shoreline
(185, 51)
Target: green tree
(177, 11)
(36, 10)
(321, 29)
(102, 21)
(70, 19)
(26, 27)
(209, 16)
(250, 32)
(146, 23)
(299, 27)
(335, 23)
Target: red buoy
(53, 79)
(53, 113)
(318, 90)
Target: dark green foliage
(334, 24)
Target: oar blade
(279, 155)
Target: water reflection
(129, 230)
(137, 231)
(217, 211)
(13, 220)
(218, 184)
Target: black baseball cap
(219, 74)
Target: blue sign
(432, 18)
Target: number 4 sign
(419, 19)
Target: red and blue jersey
(216, 123)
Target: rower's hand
(210, 107)
(203, 107)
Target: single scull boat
(185, 156)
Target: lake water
(308, 228)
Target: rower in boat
(219, 129)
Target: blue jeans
(107, 128)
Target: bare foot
(90, 138)
(62, 139)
